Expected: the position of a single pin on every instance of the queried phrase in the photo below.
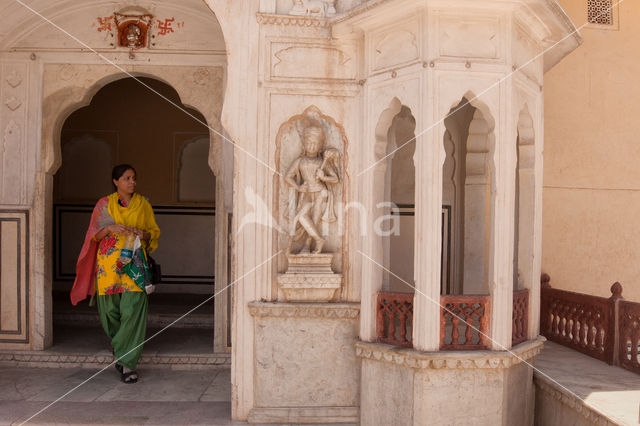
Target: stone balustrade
(394, 318)
(629, 335)
(520, 316)
(579, 321)
(607, 329)
(464, 322)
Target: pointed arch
(468, 190)
(393, 186)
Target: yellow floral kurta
(110, 278)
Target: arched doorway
(135, 121)
(63, 96)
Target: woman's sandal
(119, 368)
(130, 377)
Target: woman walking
(117, 221)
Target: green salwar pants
(124, 319)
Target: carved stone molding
(396, 47)
(12, 133)
(67, 72)
(316, 280)
(299, 21)
(13, 103)
(201, 77)
(323, 62)
(571, 401)
(14, 79)
(449, 359)
(305, 310)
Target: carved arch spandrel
(484, 124)
(288, 148)
(62, 96)
(382, 129)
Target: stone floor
(610, 390)
(161, 397)
(168, 392)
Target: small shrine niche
(133, 29)
(310, 188)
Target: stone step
(163, 310)
(53, 359)
(159, 320)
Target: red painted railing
(520, 326)
(629, 338)
(394, 318)
(464, 322)
(580, 321)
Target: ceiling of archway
(187, 25)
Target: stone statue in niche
(311, 198)
(132, 35)
(316, 8)
(310, 154)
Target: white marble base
(309, 278)
(407, 387)
(305, 368)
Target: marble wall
(305, 363)
(407, 387)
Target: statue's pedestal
(309, 278)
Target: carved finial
(616, 290)
(544, 280)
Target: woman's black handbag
(156, 271)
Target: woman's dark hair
(119, 170)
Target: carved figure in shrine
(310, 177)
(133, 28)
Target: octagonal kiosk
(457, 348)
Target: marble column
(428, 159)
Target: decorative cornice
(310, 280)
(571, 401)
(449, 359)
(291, 20)
(305, 310)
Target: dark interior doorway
(128, 123)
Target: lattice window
(600, 12)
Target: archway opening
(467, 198)
(399, 189)
(128, 123)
